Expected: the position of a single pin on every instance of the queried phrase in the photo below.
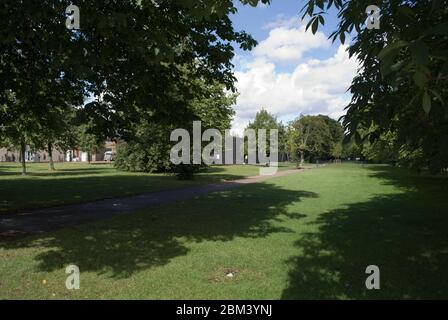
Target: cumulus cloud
(288, 44)
(282, 21)
(312, 86)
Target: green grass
(73, 183)
(309, 235)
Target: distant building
(75, 155)
(7, 155)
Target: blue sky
(291, 71)
(255, 20)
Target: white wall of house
(84, 157)
(30, 155)
(8, 155)
(58, 156)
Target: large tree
(136, 53)
(402, 85)
(315, 137)
(131, 55)
(18, 127)
(37, 84)
(148, 148)
(267, 121)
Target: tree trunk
(50, 156)
(302, 158)
(22, 156)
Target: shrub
(149, 152)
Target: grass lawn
(308, 235)
(80, 182)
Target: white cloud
(286, 44)
(281, 21)
(313, 87)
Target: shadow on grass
(404, 234)
(33, 193)
(219, 173)
(31, 172)
(122, 246)
(70, 186)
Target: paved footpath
(17, 225)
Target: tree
(137, 53)
(148, 149)
(36, 86)
(213, 106)
(315, 137)
(267, 121)
(300, 133)
(282, 142)
(291, 144)
(382, 150)
(17, 127)
(87, 141)
(402, 83)
(264, 120)
(132, 54)
(59, 131)
(352, 150)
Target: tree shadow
(121, 246)
(70, 186)
(58, 172)
(33, 193)
(404, 234)
(220, 173)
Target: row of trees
(319, 137)
(64, 134)
(132, 63)
(305, 138)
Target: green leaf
(438, 96)
(314, 26)
(253, 3)
(420, 78)
(407, 13)
(321, 20)
(392, 48)
(426, 102)
(309, 24)
(436, 4)
(320, 4)
(358, 138)
(420, 53)
(387, 63)
(397, 66)
(342, 37)
(441, 29)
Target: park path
(17, 225)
